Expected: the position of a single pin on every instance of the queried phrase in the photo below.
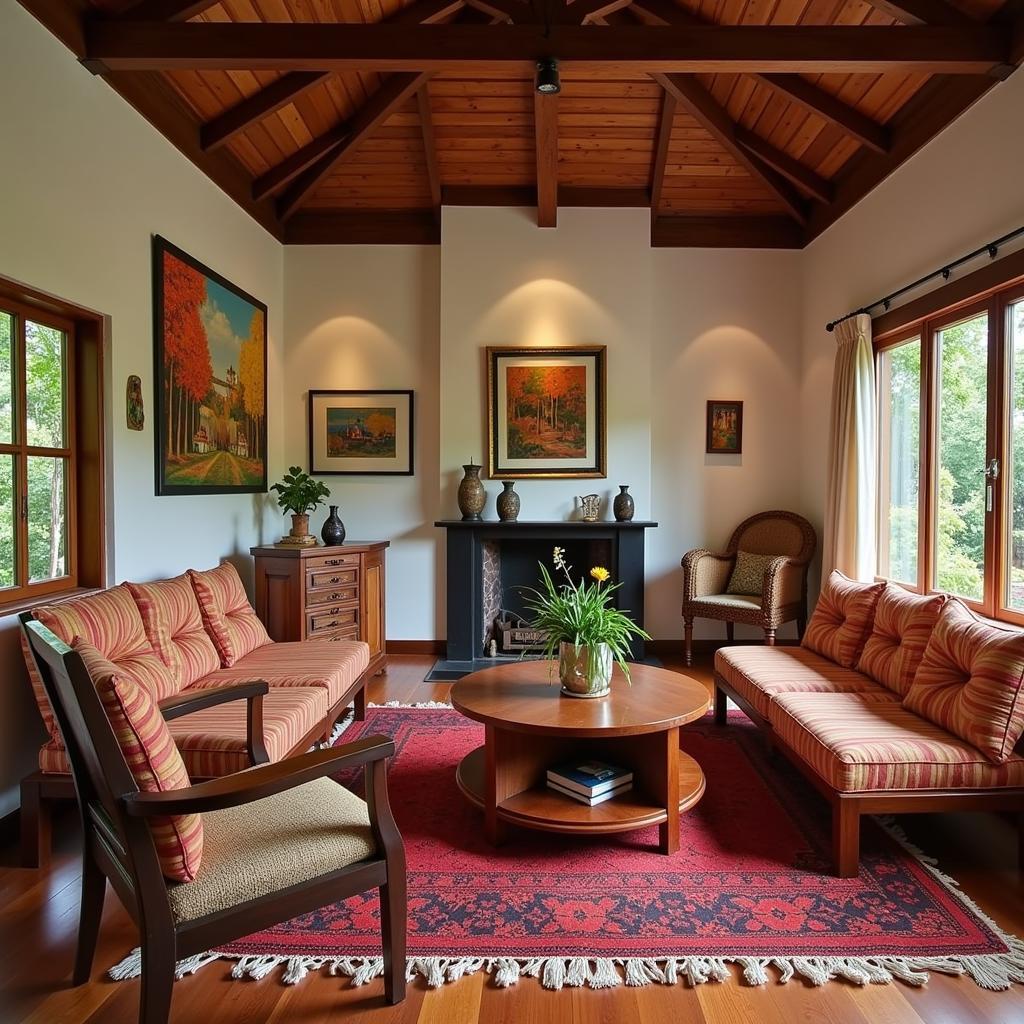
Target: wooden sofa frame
(847, 808)
(41, 790)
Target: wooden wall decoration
(134, 409)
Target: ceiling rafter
(923, 12)
(514, 11)
(163, 10)
(430, 149)
(545, 134)
(799, 174)
(666, 118)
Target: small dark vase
(333, 531)
(508, 502)
(472, 495)
(623, 507)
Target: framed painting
(724, 428)
(210, 379)
(361, 433)
(546, 412)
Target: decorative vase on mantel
(508, 502)
(472, 496)
(585, 671)
(623, 506)
(333, 530)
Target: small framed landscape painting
(211, 379)
(546, 412)
(725, 428)
(364, 433)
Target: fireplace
(490, 564)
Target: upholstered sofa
(193, 642)
(894, 703)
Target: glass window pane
(962, 352)
(44, 385)
(899, 476)
(7, 521)
(6, 379)
(47, 502)
(1014, 596)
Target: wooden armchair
(253, 873)
(783, 594)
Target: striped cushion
(902, 625)
(334, 665)
(38, 690)
(111, 622)
(842, 619)
(758, 674)
(227, 614)
(971, 681)
(860, 746)
(174, 626)
(212, 742)
(152, 758)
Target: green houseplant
(587, 632)
(299, 494)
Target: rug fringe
(443, 705)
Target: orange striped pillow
(229, 618)
(38, 690)
(902, 627)
(971, 681)
(153, 760)
(174, 625)
(111, 622)
(842, 619)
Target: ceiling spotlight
(547, 76)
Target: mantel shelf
(553, 524)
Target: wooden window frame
(992, 290)
(86, 333)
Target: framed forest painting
(210, 379)
(546, 412)
(361, 433)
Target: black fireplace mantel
(465, 598)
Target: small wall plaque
(135, 412)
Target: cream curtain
(850, 503)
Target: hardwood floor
(39, 920)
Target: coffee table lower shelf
(543, 809)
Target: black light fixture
(547, 76)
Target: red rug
(749, 885)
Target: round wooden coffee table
(530, 726)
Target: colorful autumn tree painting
(547, 411)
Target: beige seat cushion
(271, 844)
(758, 674)
(743, 602)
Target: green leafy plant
(299, 493)
(579, 613)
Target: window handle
(992, 470)
(24, 507)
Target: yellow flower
(600, 573)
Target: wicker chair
(784, 593)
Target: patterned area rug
(749, 886)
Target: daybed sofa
(894, 703)
(194, 642)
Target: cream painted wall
(86, 185)
(367, 317)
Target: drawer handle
(333, 561)
(335, 579)
(336, 596)
(327, 625)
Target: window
(951, 446)
(43, 515)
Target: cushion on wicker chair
(842, 620)
(748, 573)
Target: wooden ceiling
(737, 122)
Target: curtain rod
(992, 248)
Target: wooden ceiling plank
(801, 175)
(923, 12)
(391, 95)
(580, 12)
(134, 46)
(696, 99)
(164, 10)
(430, 149)
(514, 11)
(661, 149)
(545, 121)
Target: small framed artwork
(725, 428)
(546, 412)
(361, 433)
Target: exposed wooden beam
(923, 12)
(430, 149)
(521, 195)
(726, 232)
(370, 227)
(579, 12)
(705, 109)
(666, 116)
(132, 46)
(259, 105)
(377, 109)
(279, 175)
(424, 12)
(164, 10)
(545, 137)
(799, 174)
(514, 11)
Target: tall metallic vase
(472, 495)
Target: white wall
(85, 183)
(367, 317)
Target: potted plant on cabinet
(299, 494)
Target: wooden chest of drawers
(324, 593)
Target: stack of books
(590, 782)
